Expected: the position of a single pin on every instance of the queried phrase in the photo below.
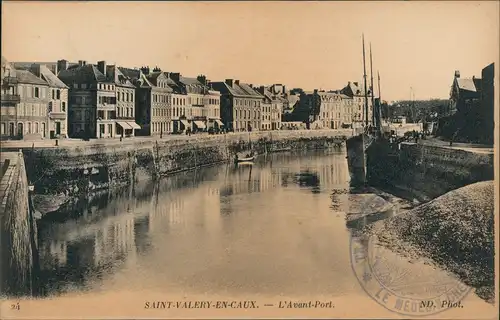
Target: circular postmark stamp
(411, 289)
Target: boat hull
(245, 160)
(356, 160)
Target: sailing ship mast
(366, 91)
(379, 111)
(379, 95)
(371, 85)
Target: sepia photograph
(249, 159)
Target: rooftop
(24, 76)
(468, 84)
(83, 74)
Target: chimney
(457, 74)
(229, 82)
(237, 82)
(202, 79)
(145, 70)
(81, 63)
(35, 69)
(62, 65)
(175, 76)
(101, 66)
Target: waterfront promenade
(471, 147)
(199, 137)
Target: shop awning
(134, 125)
(200, 124)
(124, 125)
(185, 122)
(219, 122)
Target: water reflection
(187, 228)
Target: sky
(417, 46)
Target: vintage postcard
(253, 159)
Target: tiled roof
(51, 78)
(144, 82)
(354, 89)
(84, 74)
(153, 80)
(24, 76)
(133, 74)
(189, 81)
(153, 76)
(467, 84)
(175, 86)
(114, 75)
(241, 90)
(268, 95)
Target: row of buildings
(83, 100)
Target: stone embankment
(455, 230)
(80, 168)
(424, 172)
(18, 233)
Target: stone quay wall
(426, 172)
(75, 169)
(18, 245)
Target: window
(50, 106)
(37, 93)
(63, 106)
(53, 94)
(127, 97)
(58, 94)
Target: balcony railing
(57, 115)
(10, 98)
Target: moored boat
(248, 159)
(245, 160)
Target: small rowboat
(250, 159)
(246, 160)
